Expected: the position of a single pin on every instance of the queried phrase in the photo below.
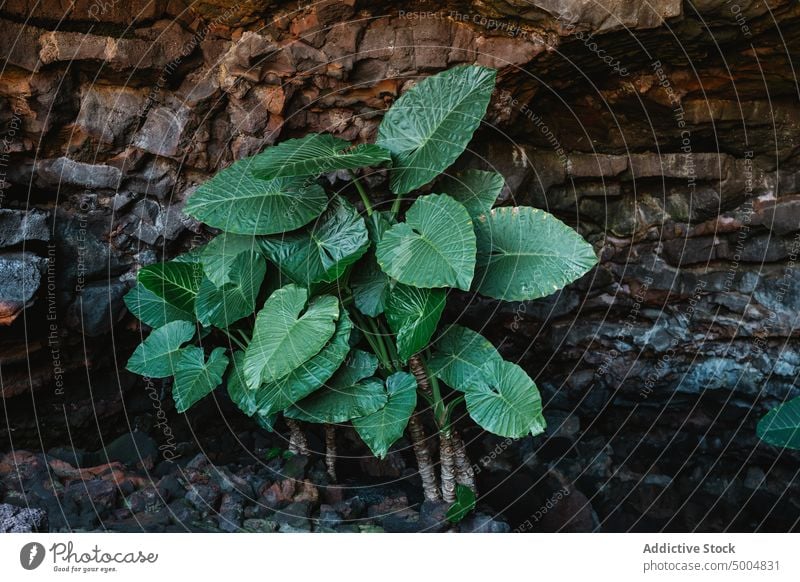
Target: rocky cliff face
(665, 132)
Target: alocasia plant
(307, 309)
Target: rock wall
(665, 132)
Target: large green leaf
(195, 377)
(236, 201)
(525, 253)
(434, 247)
(507, 403)
(459, 357)
(413, 315)
(323, 253)
(175, 282)
(335, 405)
(383, 427)
(432, 123)
(370, 286)
(157, 355)
(477, 190)
(350, 393)
(151, 309)
(316, 154)
(309, 376)
(780, 427)
(219, 256)
(240, 395)
(222, 306)
(285, 335)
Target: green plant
(305, 308)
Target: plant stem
(362, 193)
(374, 340)
(390, 344)
(424, 462)
(298, 443)
(430, 385)
(330, 450)
(233, 339)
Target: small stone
(59, 171)
(230, 483)
(351, 508)
(97, 495)
(433, 515)
(406, 521)
(148, 500)
(295, 515)
(134, 449)
(328, 517)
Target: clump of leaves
(306, 308)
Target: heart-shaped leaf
(151, 309)
(507, 403)
(285, 335)
(222, 306)
(195, 377)
(432, 123)
(316, 154)
(236, 201)
(323, 253)
(525, 253)
(477, 190)
(174, 281)
(383, 427)
(309, 376)
(434, 247)
(413, 315)
(459, 357)
(780, 427)
(157, 356)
